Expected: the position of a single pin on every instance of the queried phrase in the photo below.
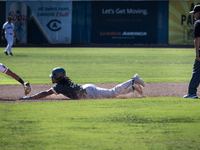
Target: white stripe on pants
(9, 39)
(97, 92)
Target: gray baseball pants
(94, 92)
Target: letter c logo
(53, 25)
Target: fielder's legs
(195, 80)
(9, 39)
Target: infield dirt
(11, 93)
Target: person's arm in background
(196, 44)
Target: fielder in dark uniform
(195, 80)
(71, 90)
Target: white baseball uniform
(93, 91)
(3, 68)
(9, 28)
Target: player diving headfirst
(71, 90)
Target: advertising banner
(181, 22)
(18, 13)
(124, 22)
(53, 19)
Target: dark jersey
(196, 29)
(69, 89)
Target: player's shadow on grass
(19, 55)
(7, 100)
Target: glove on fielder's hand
(16, 40)
(27, 88)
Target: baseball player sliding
(66, 87)
(9, 33)
(7, 71)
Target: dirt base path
(11, 93)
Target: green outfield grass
(126, 124)
(121, 124)
(100, 65)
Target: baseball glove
(16, 40)
(27, 88)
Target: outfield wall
(100, 22)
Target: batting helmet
(58, 73)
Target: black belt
(10, 33)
